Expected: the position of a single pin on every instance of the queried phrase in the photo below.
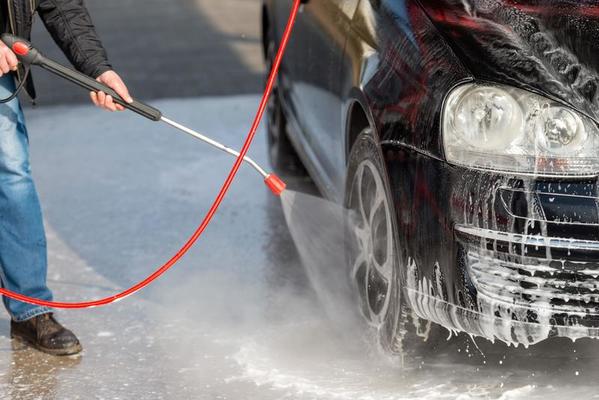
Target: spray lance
(29, 55)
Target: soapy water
(322, 232)
(341, 359)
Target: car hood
(547, 46)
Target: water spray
(29, 55)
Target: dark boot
(45, 334)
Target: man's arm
(71, 27)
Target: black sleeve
(71, 27)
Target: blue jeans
(23, 254)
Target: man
(23, 259)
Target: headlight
(506, 129)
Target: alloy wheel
(373, 251)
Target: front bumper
(534, 260)
(516, 299)
(504, 257)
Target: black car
(465, 135)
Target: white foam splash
(495, 319)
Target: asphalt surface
(169, 49)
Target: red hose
(217, 202)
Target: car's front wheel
(374, 255)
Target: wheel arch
(359, 117)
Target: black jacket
(69, 24)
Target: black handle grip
(91, 84)
(27, 54)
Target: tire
(374, 256)
(283, 157)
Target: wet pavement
(237, 318)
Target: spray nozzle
(275, 184)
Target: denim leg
(23, 256)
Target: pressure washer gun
(29, 55)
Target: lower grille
(553, 274)
(532, 281)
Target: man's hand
(113, 81)
(8, 59)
